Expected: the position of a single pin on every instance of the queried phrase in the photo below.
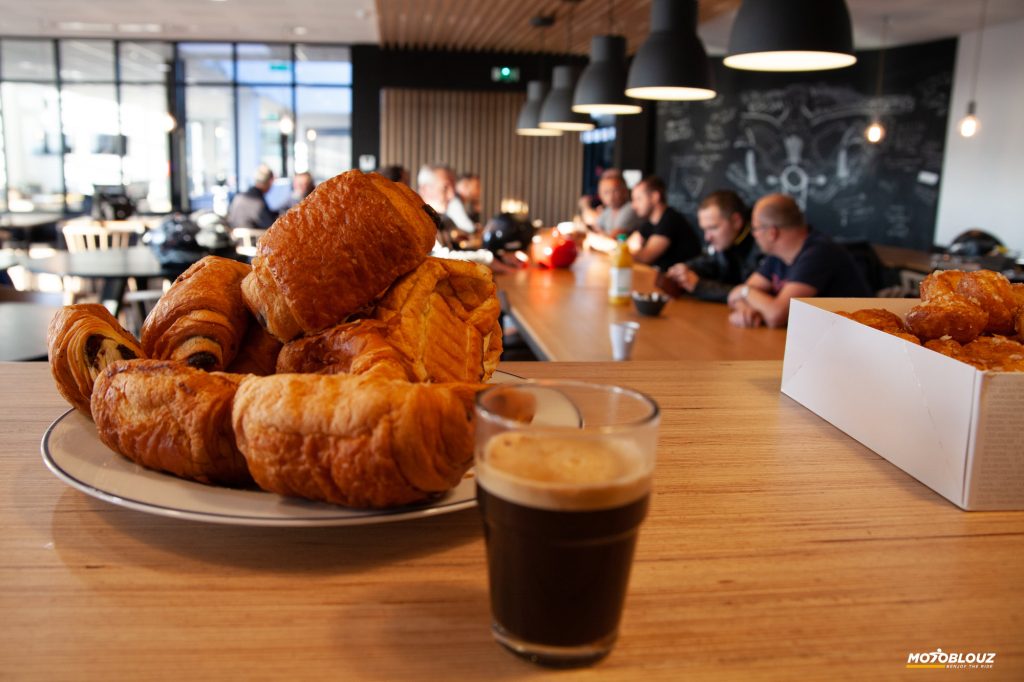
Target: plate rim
(351, 517)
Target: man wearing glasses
(799, 263)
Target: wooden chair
(93, 236)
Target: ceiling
(451, 24)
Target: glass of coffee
(563, 473)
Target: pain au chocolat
(170, 417)
(201, 320)
(360, 441)
(335, 252)
(82, 340)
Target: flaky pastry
(335, 252)
(354, 440)
(82, 340)
(201, 320)
(170, 417)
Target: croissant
(168, 416)
(947, 315)
(352, 348)
(258, 354)
(443, 317)
(354, 440)
(335, 252)
(82, 340)
(201, 319)
(939, 283)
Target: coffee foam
(559, 473)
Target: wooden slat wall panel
(475, 132)
(504, 25)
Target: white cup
(623, 334)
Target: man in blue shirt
(799, 263)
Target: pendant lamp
(602, 85)
(791, 35)
(969, 125)
(528, 122)
(556, 112)
(875, 132)
(672, 63)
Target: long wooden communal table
(564, 315)
(776, 548)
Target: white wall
(983, 176)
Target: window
(109, 118)
(33, 149)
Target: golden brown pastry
(351, 348)
(443, 318)
(167, 416)
(995, 353)
(882, 320)
(82, 340)
(947, 315)
(991, 292)
(258, 354)
(939, 283)
(947, 347)
(354, 440)
(335, 252)
(201, 319)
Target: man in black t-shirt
(799, 263)
(733, 255)
(668, 237)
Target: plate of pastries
(974, 317)
(331, 382)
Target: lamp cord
(881, 56)
(977, 49)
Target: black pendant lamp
(602, 85)
(672, 63)
(791, 35)
(557, 113)
(528, 122)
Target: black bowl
(649, 304)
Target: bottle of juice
(620, 281)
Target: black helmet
(507, 232)
(181, 240)
(976, 243)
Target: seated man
(249, 209)
(799, 263)
(722, 217)
(616, 215)
(667, 236)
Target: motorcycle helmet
(976, 243)
(181, 240)
(506, 232)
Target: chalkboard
(803, 135)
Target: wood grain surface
(565, 314)
(776, 548)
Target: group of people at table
(756, 261)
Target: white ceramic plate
(73, 451)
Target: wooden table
(23, 330)
(564, 315)
(114, 267)
(776, 548)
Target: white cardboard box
(958, 430)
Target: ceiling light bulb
(969, 125)
(875, 132)
(311, 135)
(170, 123)
(287, 125)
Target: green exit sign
(279, 66)
(505, 74)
